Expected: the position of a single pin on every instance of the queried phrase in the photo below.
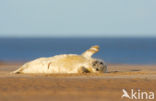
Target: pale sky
(72, 18)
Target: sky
(77, 18)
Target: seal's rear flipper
(18, 71)
(88, 53)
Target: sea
(112, 50)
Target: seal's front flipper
(83, 70)
(88, 53)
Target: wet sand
(70, 87)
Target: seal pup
(66, 63)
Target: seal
(66, 63)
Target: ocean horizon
(112, 50)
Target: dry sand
(99, 87)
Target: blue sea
(112, 50)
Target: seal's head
(99, 66)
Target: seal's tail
(88, 53)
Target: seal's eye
(97, 69)
(101, 63)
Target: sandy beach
(69, 87)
